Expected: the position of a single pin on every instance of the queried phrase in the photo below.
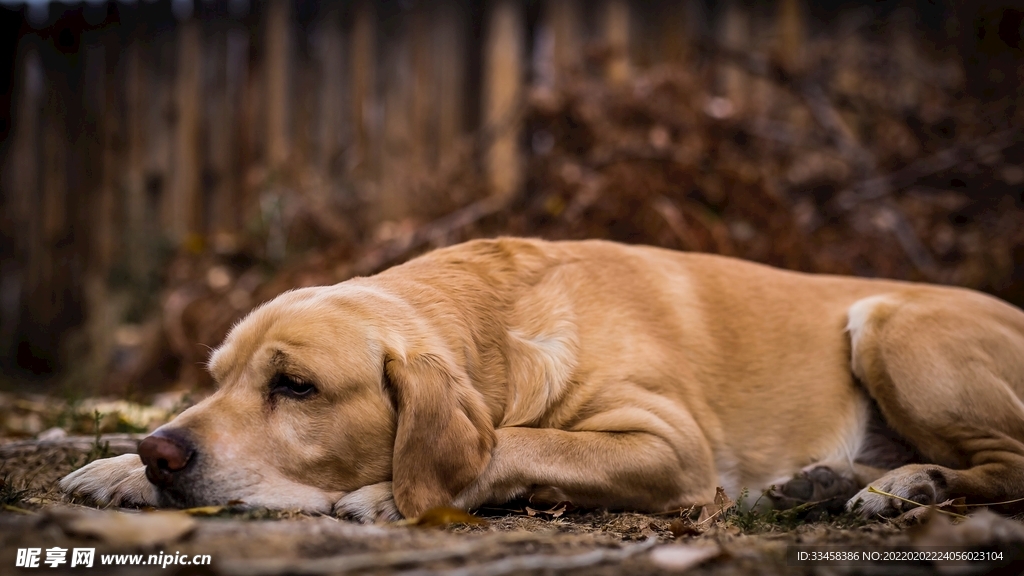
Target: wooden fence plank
(616, 26)
(734, 34)
(21, 181)
(791, 32)
(900, 29)
(244, 106)
(55, 160)
(450, 75)
(21, 175)
(278, 81)
(331, 57)
(219, 122)
(135, 221)
(391, 201)
(363, 51)
(503, 78)
(160, 123)
(183, 203)
(563, 21)
(104, 101)
(423, 130)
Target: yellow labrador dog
(613, 376)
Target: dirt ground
(512, 540)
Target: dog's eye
(292, 387)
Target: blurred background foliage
(166, 165)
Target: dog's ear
(444, 434)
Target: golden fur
(618, 376)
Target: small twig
(874, 490)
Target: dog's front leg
(619, 470)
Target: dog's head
(323, 391)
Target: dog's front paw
(373, 503)
(820, 488)
(919, 483)
(118, 481)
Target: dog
(607, 375)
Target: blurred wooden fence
(146, 128)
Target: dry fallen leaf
(715, 512)
(683, 527)
(123, 529)
(443, 516)
(722, 500)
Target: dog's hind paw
(373, 503)
(919, 483)
(118, 481)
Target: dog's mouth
(179, 497)
(174, 494)
(202, 485)
(174, 498)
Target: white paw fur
(118, 481)
(373, 503)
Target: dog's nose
(164, 454)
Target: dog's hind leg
(947, 371)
